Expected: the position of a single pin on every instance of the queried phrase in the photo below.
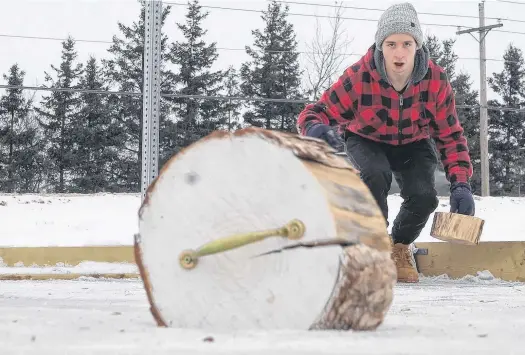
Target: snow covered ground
(84, 268)
(474, 315)
(68, 220)
(111, 219)
(469, 316)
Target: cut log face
(457, 228)
(251, 181)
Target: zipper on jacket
(400, 119)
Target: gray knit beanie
(399, 18)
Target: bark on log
(254, 180)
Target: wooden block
(457, 228)
(50, 256)
(505, 260)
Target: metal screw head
(296, 229)
(188, 259)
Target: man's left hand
(461, 200)
(326, 133)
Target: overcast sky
(97, 20)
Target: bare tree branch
(326, 57)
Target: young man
(387, 106)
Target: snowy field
(474, 315)
(469, 316)
(112, 219)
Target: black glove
(461, 200)
(326, 133)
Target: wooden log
(211, 197)
(457, 228)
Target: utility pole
(483, 115)
(151, 93)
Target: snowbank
(111, 219)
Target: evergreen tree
(232, 108)
(57, 115)
(449, 58)
(20, 144)
(194, 59)
(97, 137)
(434, 47)
(273, 72)
(124, 72)
(507, 128)
(442, 53)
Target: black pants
(413, 166)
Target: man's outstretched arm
(335, 106)
(453, 150)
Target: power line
(368, 8)
(382, 10)
(350, 54)
(260, 11)
(209, 97)
(273, 51)
(218, 48)
(307, 15)
(357, 54)
(511, 2)
(503, 108)
(514, 32)
(131, 93)
(227, 48)
(237, 98)
(343, 18)
(53, 38)
(84, 91)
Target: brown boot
(406, 270)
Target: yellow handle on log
(292, 230)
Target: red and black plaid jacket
(365, 104)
